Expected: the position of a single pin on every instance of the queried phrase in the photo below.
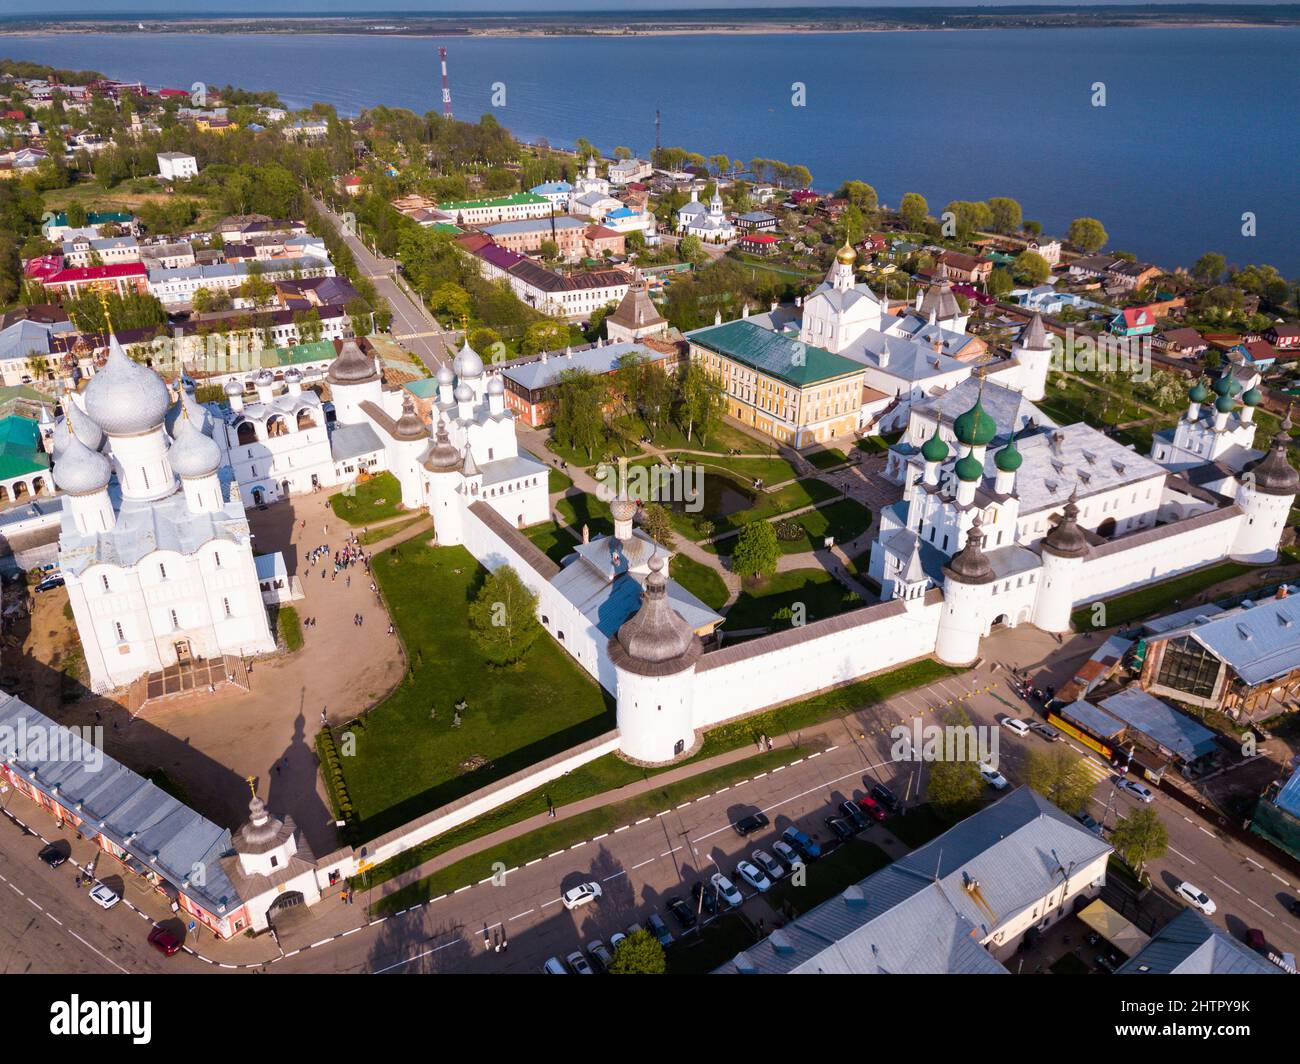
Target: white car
(727, 890)
(1017, 726)
(787, 853)
(614, 940)
(581, 895)
(579, 963)
(993, 777)
(554, 967)
(753, 875)
(104, 897)
(1141, 793)
(1196, 898)
(769, 864)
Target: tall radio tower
(446, 85)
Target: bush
(788, 531)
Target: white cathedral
(1005, 519)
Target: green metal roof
(782, 357)
(425, 388)
(296, 355)
(20, 447)
(496, 201)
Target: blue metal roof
(1097, 721)
(1260, 643)
(1161, 722)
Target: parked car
(727, 890)
(1045, 731)
(582, 894)
(787, 853)
(771, 867)
(602, 956)
(683, 913)
(753, 875)
(807, 848)
(164, 941)
(1106, 964)
(614, 940)
(840, 828)
(553, 966)
(1196, 898)
(1255, 940)
(885, 797)
(854, 815)
(579, 963)
(659, 929)
(1019, 727)
(872, 808)
(1292, 905)
(49, 584)
(747, 825)
(104, 897)
(993, 777)
(53, 856)
(633, 929)
(709, 902)
(1137, 790)
(1088, 821)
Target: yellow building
(796, 393)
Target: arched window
(247, 432)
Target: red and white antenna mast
(446, 85)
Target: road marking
(32, 901)
(553, 901)
(667, 853)
(1254, 862)
(55, 919)
(90, 947)
(520, 916)
(614, 876)
(1228, 885)
(418, 956)
(1210, 833)
(1182, 855)
(599, 837)
(644, 863)
(1279, 879)
(1260, 907)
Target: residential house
(1133, 321)
(1181, 343)
(967, 268)
(756, 222)
(498, 209)
(177, 166)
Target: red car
(872, 808)
(164, 941)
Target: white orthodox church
(710, 224)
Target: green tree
(757, 551)
(1000, 283)
(1005, 214)
(701, 402)
(1139, 838)
(1088, 234)
(691, 250)
(503, 617)
(451, 302)
(1034, 228)
(860, 194)
(914, 211)
(549, 249)
(1056, 775)
(658, 524)
(639, 954)
(545, 335)
(579, 415)
(255, 288)
(1032, 268)
(1209, 267)
(954, 789)
(201, 301)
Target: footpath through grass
(1150, 599)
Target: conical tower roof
(656, 640)
(352, 366)
(442, 456)
(1066, 538)
(1273, 474)
(971, 565)
(1035, 337)
(410, 426)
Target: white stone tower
(1266, 492)
(1034, 353)
(1064, 550)
(966, 585)
(443, 466)
(654, 655)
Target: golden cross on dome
(252, 784)
(108, 319)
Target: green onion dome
(1008, 459)
(1225, 404)
(1223, 384)
(1234, 385)
(975, 428)
(970, 468)
(934, 449)
(1253, 397)
(1199, 393)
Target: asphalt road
(413, 326)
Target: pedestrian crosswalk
(1093, 769)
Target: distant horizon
(55, 10)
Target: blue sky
(425, 7)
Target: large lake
(1200, 125)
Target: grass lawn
(375, 535)
(583, 460)
(1154, 597)
(768, 470)
(369, 501)
(722, 440)
(769, 604)
(872, 445)
(586, 509)
(708, 949)
(552, 540)
(407, 763)
(845, 520)
(289, 628)
(770, 504)
(700, 580)
(827, 459)
(557, 481)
